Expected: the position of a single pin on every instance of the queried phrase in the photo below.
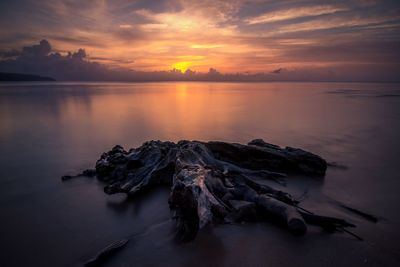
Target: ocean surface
(52, 129)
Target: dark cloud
(277, 71)
(42, 49)
(360, 52)
(130, 34)
(10, 54)
(77, 41)
(359, 7)
(345, 16)
(74, 5)
(39, 59)
(115, 60)
(81, 54)
(157, 6)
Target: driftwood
(215, 182)
(103, 254)
(365, 215)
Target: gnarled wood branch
(213, 182)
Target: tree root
(214, 182)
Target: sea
(51, 129)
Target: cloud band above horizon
(337, 39)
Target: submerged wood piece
(365, 215)
(106, 252)
(214, 182)
(87, 173)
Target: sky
(288, 40)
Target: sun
(182, 65)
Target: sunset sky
(354, 36)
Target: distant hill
(19, 77)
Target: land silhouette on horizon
(22, 77)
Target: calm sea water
(51, 129)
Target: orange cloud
(293, 13)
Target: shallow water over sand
(48, 130)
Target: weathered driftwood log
(214, 182)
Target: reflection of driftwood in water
(214, 182)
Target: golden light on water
(181, 91)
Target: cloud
(232, 36)
(80, 54)
(42, 49)
(277, 71)
(10, 54)
(129, 34)
(293, 13)
(77, 66)
(41, 60)
(159, 6)
(336, 22)
(125, 26)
